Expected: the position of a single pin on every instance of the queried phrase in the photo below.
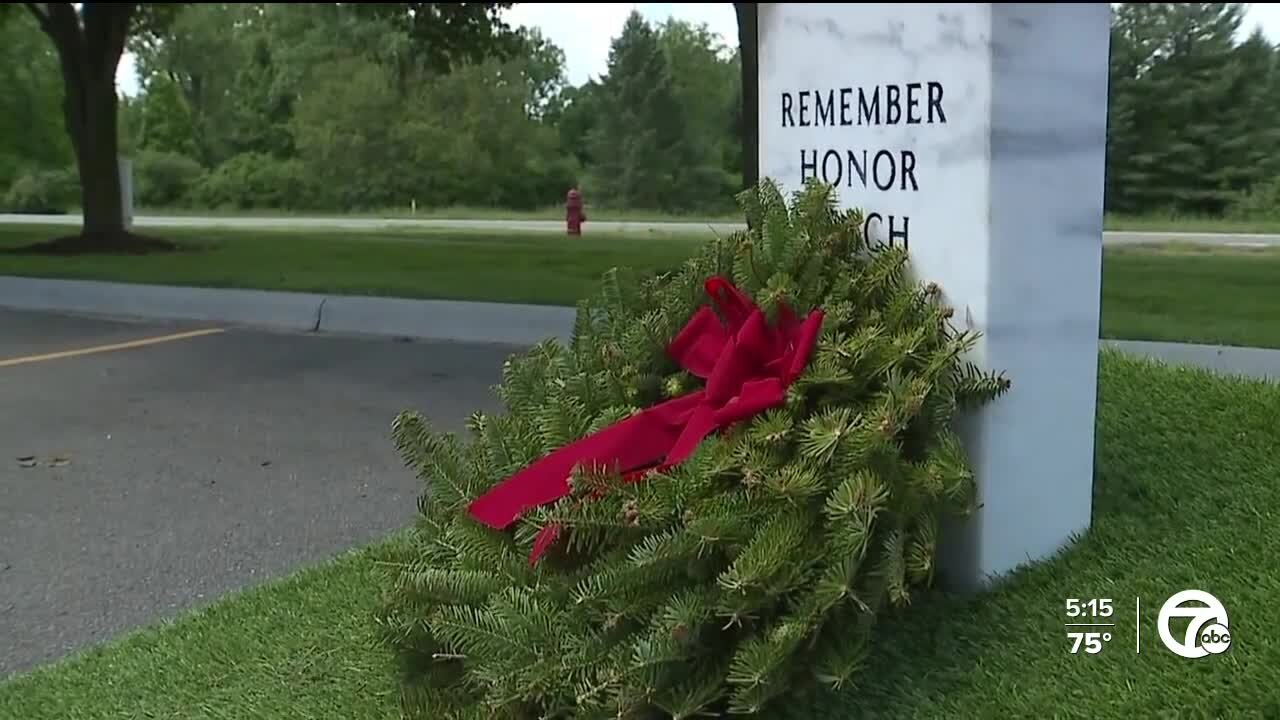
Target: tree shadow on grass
(98, 243)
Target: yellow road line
(108, 348)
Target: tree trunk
(90, 42)
(747, 43)
(91, 115)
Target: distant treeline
(314, 107)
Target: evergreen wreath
(731, 581)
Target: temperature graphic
(1091, 624)
(1090, 642)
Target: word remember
(882, 169)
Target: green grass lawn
(464, 212)
(1186, 496)
(1192, 294)
(455, 265)
(1228, 296)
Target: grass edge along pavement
(1185, 497)
(1175, 293)
(522, 268)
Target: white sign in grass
(126, 191)
(974, 134)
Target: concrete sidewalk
(470, 322)
(1260, 363)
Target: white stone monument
(975, 133)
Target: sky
(584, 30)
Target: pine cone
(914, 404)
(886, 426)
(631, 513)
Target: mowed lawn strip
(461, 212)
(1173, 293)
(536, 268)
(1226, 296)
(1185, 497)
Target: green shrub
(741, 578)
(44, 192)
(254, 181)
(1261, 202)
(164, 179)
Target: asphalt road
(373, 223)
(168, 474)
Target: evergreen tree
(1247, 150)
(706, 77)
(1192, 120)
(1133, 40)
(1199, 73)
(637, 141)
(737, 580)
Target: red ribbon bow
(747, 365)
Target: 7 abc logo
(1208, 631)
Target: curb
(477, 322)
(445, 320)
(1227, 360)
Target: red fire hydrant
(573, 213)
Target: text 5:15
(1089, 608)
